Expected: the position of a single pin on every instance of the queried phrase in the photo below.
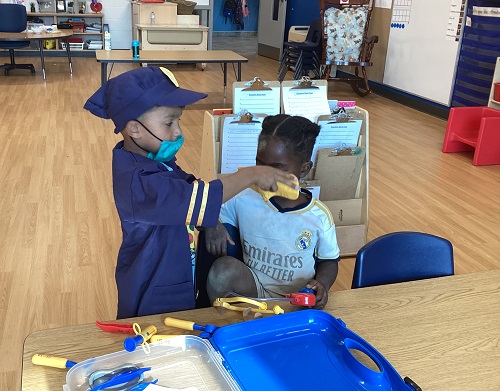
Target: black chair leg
(13, 65)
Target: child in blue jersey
(286, 244)
(156, 200)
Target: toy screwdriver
(206, 330)
(51, 361)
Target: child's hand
(321, 293)
(216, 239)
(267, 178)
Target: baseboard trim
(410, 100)
(268, 51)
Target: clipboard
(339, 174)
(305, 97)
(336, 131)
(257, 96)
(239, 139)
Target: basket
(184, 7)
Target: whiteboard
(420, 58)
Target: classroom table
(61, 34)
(104, 57)
(443, 333)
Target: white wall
(118, 14)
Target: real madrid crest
(303, 242)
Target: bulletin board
(421, 54)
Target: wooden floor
(59, 232)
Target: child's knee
(223, 271)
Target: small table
(39, 38)
(442, 332)
(170, 56)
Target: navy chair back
(402, 256)
(314, 33)
(13, 18)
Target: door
(271, 29)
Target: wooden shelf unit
(50, 18)
(168, 31)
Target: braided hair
(297, 133)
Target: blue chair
(402, 256)
(13, 19)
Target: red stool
(474, 129)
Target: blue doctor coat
(155, 202)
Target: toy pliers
(113, 327)
(261, 307)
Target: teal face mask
(167, 150)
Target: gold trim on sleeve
(203, 206)
(189, 215)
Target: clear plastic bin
(180, 362)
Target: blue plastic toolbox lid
(304, 350)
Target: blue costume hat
(129, 95)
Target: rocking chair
(345, 41)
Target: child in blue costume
(156, 200)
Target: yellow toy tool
(283, 191)
(51, 361)
(260, 306)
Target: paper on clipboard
(336, 134)
(307, 101)
(257, 96)
(239, 142)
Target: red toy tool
(305, 297)
(112, 327)
(302, 298)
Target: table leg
(239, 71)
(104, 72)
(40, 47)
(225, 79)
(69, 56)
